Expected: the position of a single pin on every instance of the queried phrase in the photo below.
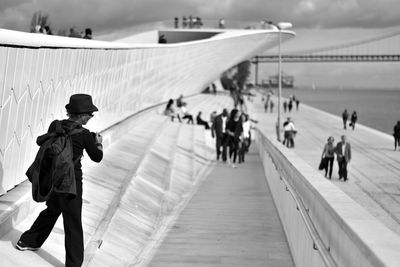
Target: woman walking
(353, 119)
(328, 155)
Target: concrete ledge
(353, 236)
(15, 206)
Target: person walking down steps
(80, 110)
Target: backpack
(52, 171)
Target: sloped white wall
(38, 73)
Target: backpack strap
(75, 131)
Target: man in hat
(80, 110)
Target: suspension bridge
(382, 48)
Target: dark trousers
(396, 142)
(329, 166)
(243, 148)
(189, 117)
(71, 210)
(288, 139)
(353, 124)
(204, 123)
(344, 123)
(233, 148)
(342, 168)
(221, 141)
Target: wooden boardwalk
(230, 221)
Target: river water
(378, 109)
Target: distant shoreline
(376, 108)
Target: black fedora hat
(80, 103)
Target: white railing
(323, 226)
(38, 73)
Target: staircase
(169, 173)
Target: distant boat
(313, 86)
(286, 80)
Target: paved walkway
(374, 172)
(230, 221)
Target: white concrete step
(165, 181)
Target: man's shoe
(22, 246)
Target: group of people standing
(232, 135)
(353, 119)
(190, 22)
(343, 156)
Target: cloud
(105, 15)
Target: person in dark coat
(218, 130)
(345, 117)
(233, 135)
(343, 156)
(290, 105)
(353, 119)
(80, 110)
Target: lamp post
(280, 26)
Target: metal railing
(318, 243)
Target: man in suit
(343, 152)
(218, 130)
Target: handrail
(318, 243)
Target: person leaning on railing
(289, 133)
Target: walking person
(218, 130)
(396, 135)
(80, 110)
(243, 131)
(343, 156)
(328, 155)
(271, 106)
(284, 106)
(353, 119)
(290, 105)
(266, 106)
(176, 22)
(233, 135)
(345, 117)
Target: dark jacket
(43, 184)
(217, 127)
(347, 151)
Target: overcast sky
(105, 15)
(316, 22)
